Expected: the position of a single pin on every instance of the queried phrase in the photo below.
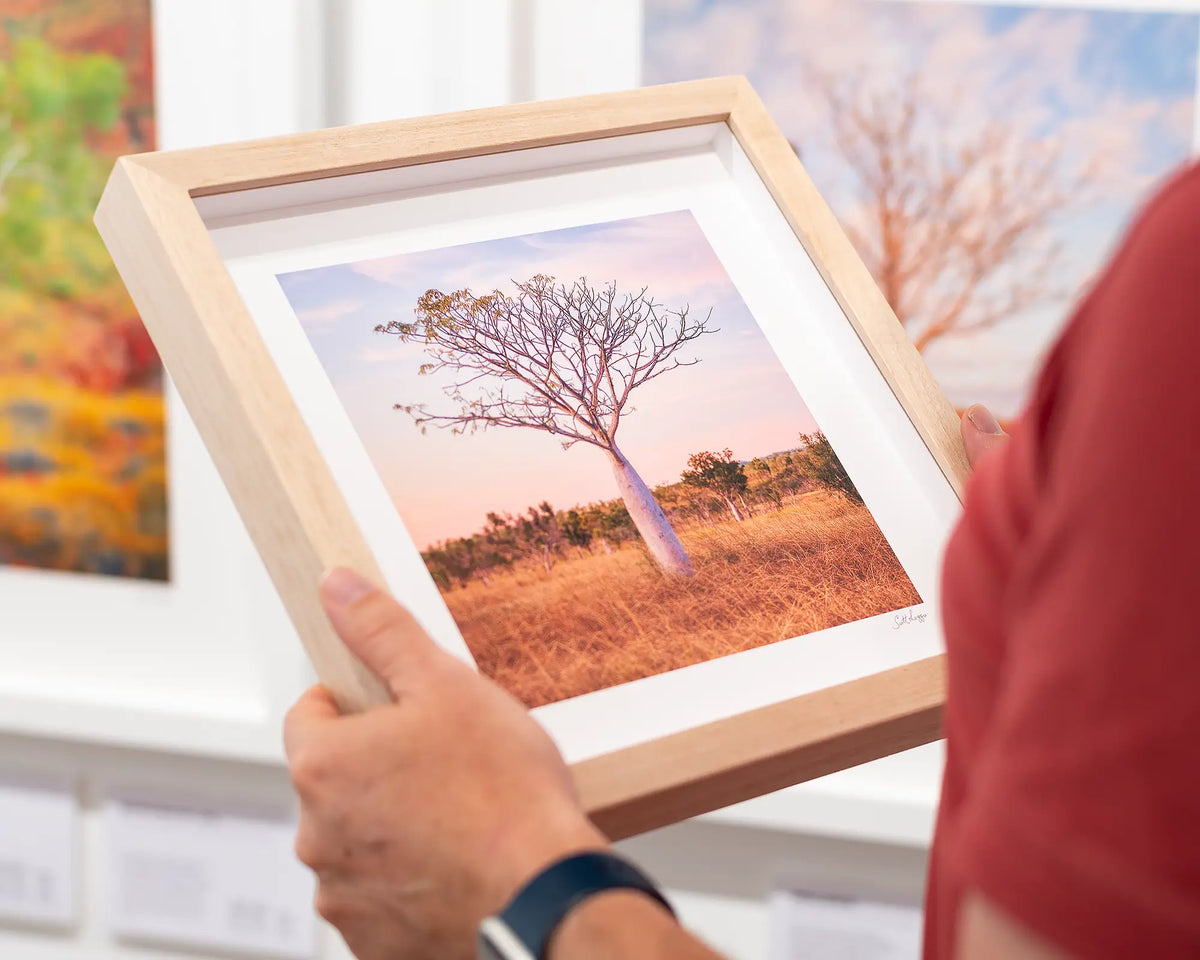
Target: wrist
(520, 855)
(599, 898)
(617, 923)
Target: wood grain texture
(851, 283)
(340, 151)
(297, 516)
(262, 447)
(728, 761)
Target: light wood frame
(298, 517)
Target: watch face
(498, 942)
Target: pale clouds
(330, 312)
(1029, 73)
(684, 270)
(394, 351)
(1078, 87)
(1183, 121)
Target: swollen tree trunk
(648, 517)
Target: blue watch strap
(541, 905)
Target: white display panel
(39, 836)
(264, 233)
(206, 662)
(81, 782)
(806, 927)
(208, 877)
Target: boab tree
(561, 359)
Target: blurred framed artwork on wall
(135, 610)
(601, 391)
(82, 424)
(984, 157)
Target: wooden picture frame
(297, 513)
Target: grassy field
(604, 619)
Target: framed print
(82, 426)
(901, 109)
(136, 611)
(599, 389)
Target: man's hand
(421, 817)
(981, 433)
(424, 816)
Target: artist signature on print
(905, 617)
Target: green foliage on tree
(819, 461)
(51, 103)
(576, 529)
(720, 474)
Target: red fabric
(1072, 612)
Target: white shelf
(892, 801)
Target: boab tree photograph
(606, 468)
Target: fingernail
(344, 587)
(982, 419)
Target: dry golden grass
(601, 620)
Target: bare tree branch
(557, 358)
(953, 223)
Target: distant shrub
(721, 474)
(819, 461)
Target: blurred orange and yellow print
(83, 482)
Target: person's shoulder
(1178, 196)
(1167, 231)
(1132, 349)
(1178, 186)
(1151, 287)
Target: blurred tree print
(82, 448)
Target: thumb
(376, 629)
(980, 433)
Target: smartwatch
(523, 929)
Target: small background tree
(822, 464)
(721, 474)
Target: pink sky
(443, 485)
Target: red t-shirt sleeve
(1083, 819)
